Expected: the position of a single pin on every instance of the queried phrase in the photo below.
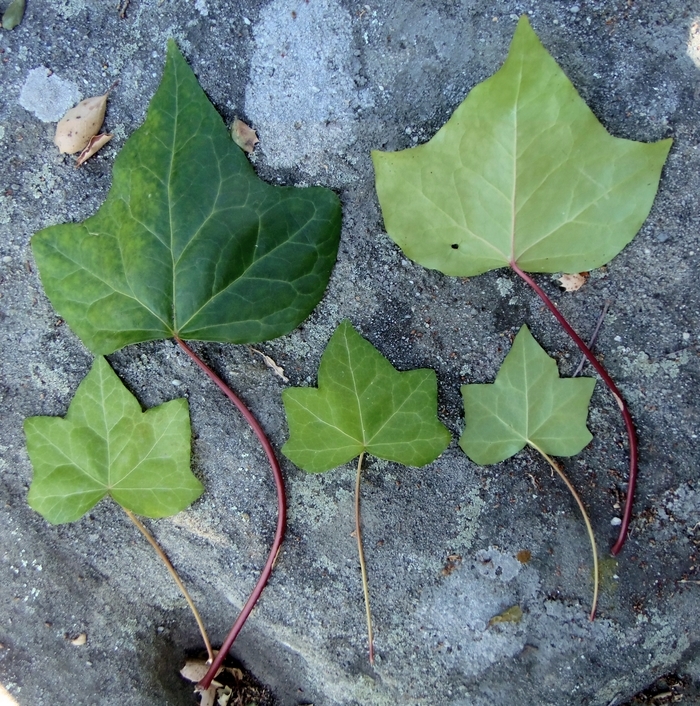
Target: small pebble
(662, 237)
(686, 336)
(616, 521)
(574, 8)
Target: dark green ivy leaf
(190, 242)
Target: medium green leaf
(189, 241)
(106, 445)
(363, 404)
(13, 15)
(524, 172)
(527, 404)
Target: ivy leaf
(106, 445)
(527, 404)
(363, 404)
(522, 173)
(189, 242)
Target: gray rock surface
(324, 82)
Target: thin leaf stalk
(281, 513)
(589, 528)
(627, 417)
(171, 569)
(361, 554)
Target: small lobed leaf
(527, 404)
(522, 172)
(106, 445)
(189, 242)
(363, 404)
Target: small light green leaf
(527, 404)
(363, 404)
(522, 172)
(189, 241)
(106, 445)
(514, 614)
(13, 15)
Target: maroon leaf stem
(281, 514)
(631, 434)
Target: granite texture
(324, 82)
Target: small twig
(164, 558)
(591, 536)
(594, 337)
(281, 513)
(360, 551)
(627, 417)
(697, 583)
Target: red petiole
(629, 425)
(281, 514)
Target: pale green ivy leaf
(363, 404)
(523, 172)
(106, 445)
(528, 404)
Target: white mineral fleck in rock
(301, 89)
(48, 96)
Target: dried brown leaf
(80, 124)
(195, 670)
(244, 136)
(80, 640)
(276, 369)
(571, 283)
(96, 143)
(453, 561)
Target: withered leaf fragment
(194, 671)
(514, 614)
(573, 282)
(276, 369)
(80, 124)
(97, 142)
(244, 136)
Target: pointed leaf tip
(523, 171)
(527, 404)
(363, 404)
(106, 445)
